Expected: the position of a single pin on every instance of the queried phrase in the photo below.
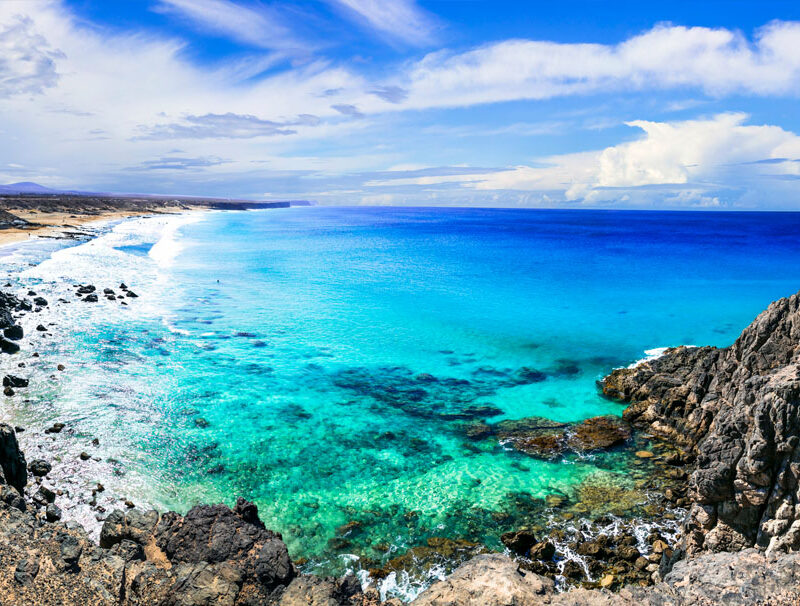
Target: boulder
(519, 541)
(14, 332)
(216, 533)
(7, 346)
(598, 433)
(39, 467)
(15, 382)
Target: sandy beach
(54, 216)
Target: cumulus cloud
(685, 159)
(716, 61)
(27, 63)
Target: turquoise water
(277, 355)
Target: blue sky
(489, 103)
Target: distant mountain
(28, 187)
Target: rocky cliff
(736, 411)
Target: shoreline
(608, 562)
(59, 225)
(571, 565)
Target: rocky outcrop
(736, 411)
(488, 580)
(12, 460)
(748, 577)
(213, 555)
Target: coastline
(604, 551)
(60, 224)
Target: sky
(570, 104)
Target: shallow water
(322, 361)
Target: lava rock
(53, 513)
(15, 332)
(8, 347)
(39, 467)
(518, 541)
(16, 382)
(26, 570)
(12, 460)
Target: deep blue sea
(323, 361)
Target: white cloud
(27, 63)
(691, 158)
(400, 19)
(716, 61)
(256, 26)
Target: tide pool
(323, 362)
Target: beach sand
(59, 224)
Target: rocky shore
(712, 432)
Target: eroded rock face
(738, 411)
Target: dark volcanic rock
(39, 467)
(7, 346)
(598, 433)
(519, 541)
(215, 533)
(15, 332)
(12, 460)
(16, 382)
(26, 571)
(737, 410)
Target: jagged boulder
(12, 460)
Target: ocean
(324, 362)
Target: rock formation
(736, 411)
(749, 577)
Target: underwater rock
(548, 439)
(527, 375)
(598, 433)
